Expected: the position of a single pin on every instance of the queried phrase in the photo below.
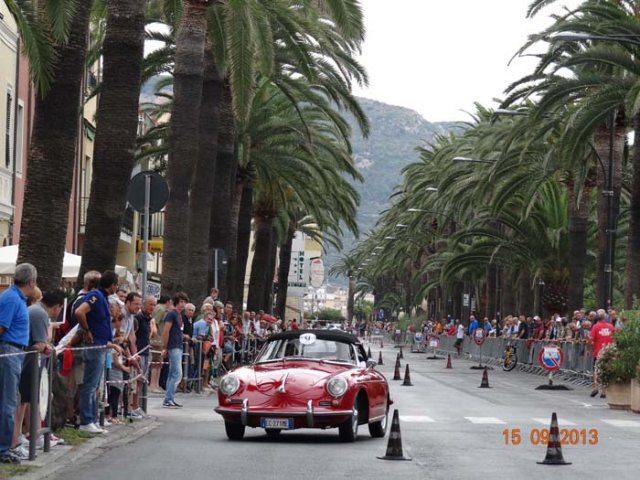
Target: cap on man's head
(536, 318)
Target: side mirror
(371, 364)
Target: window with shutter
(7, 136)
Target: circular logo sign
(307, 339)
(551, 358)
(418, 337)
(434, 341)
(478, 336)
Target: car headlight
(229, 385)
(337, 387)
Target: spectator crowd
(107, 344)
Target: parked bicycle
(510, 358)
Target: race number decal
(307, 339)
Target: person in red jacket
(601, 334)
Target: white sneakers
(92, 428)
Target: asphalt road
(450, 428)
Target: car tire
(235, 431)
(379, 429)
(273, 432)
(348, 431)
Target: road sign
(478, 336)
(418, 337)
(465, 300)
(434, 341)
(158, 193)
(551, 358)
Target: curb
(64, 456)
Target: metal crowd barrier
(577, 364)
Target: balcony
(127, 219)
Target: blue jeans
(10, 368)
(94, 362)
(175, 373)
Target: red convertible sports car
(306, 379)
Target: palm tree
(117, 122)
(201, 200)
(51, 157)
(183, 140)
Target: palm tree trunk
(259, 266)
(490, 290)
(244, 238)
(183, 140)
(234, 295)
(578, 225)
(45, 215)
(117, 120)
(526, 295)
(226, 166)
(632, 273)
(283, 272)
(351, 296)
(271, 271)
(200, 199)
(509, 294)
(602, 147)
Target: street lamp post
(611, 225)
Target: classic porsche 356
(306, 379)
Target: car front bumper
(311, 417)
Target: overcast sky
(440, 56)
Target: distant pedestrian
(172, 339)
(14, 337)
(459, 338)
(601, 334)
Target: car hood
(294, 377)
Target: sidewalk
(64, 456)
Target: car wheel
(379, 429)
(273, 432)
(235, 431)
(348, 431)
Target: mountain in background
(395, 134)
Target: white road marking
(561, 422)
(416, 419)
(622, 423)
(485, 420)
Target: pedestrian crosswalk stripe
(561, 422)
(485, 420)
(622, 423)
(416, 419)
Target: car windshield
(318, 349)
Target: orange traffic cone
(401, 355)
(449, 361)
(394, 446)
(396, 371)
(407, 378)
(380, 362)
(485, 379)
(554, 447)
(369, 352)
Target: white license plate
(283, 423)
